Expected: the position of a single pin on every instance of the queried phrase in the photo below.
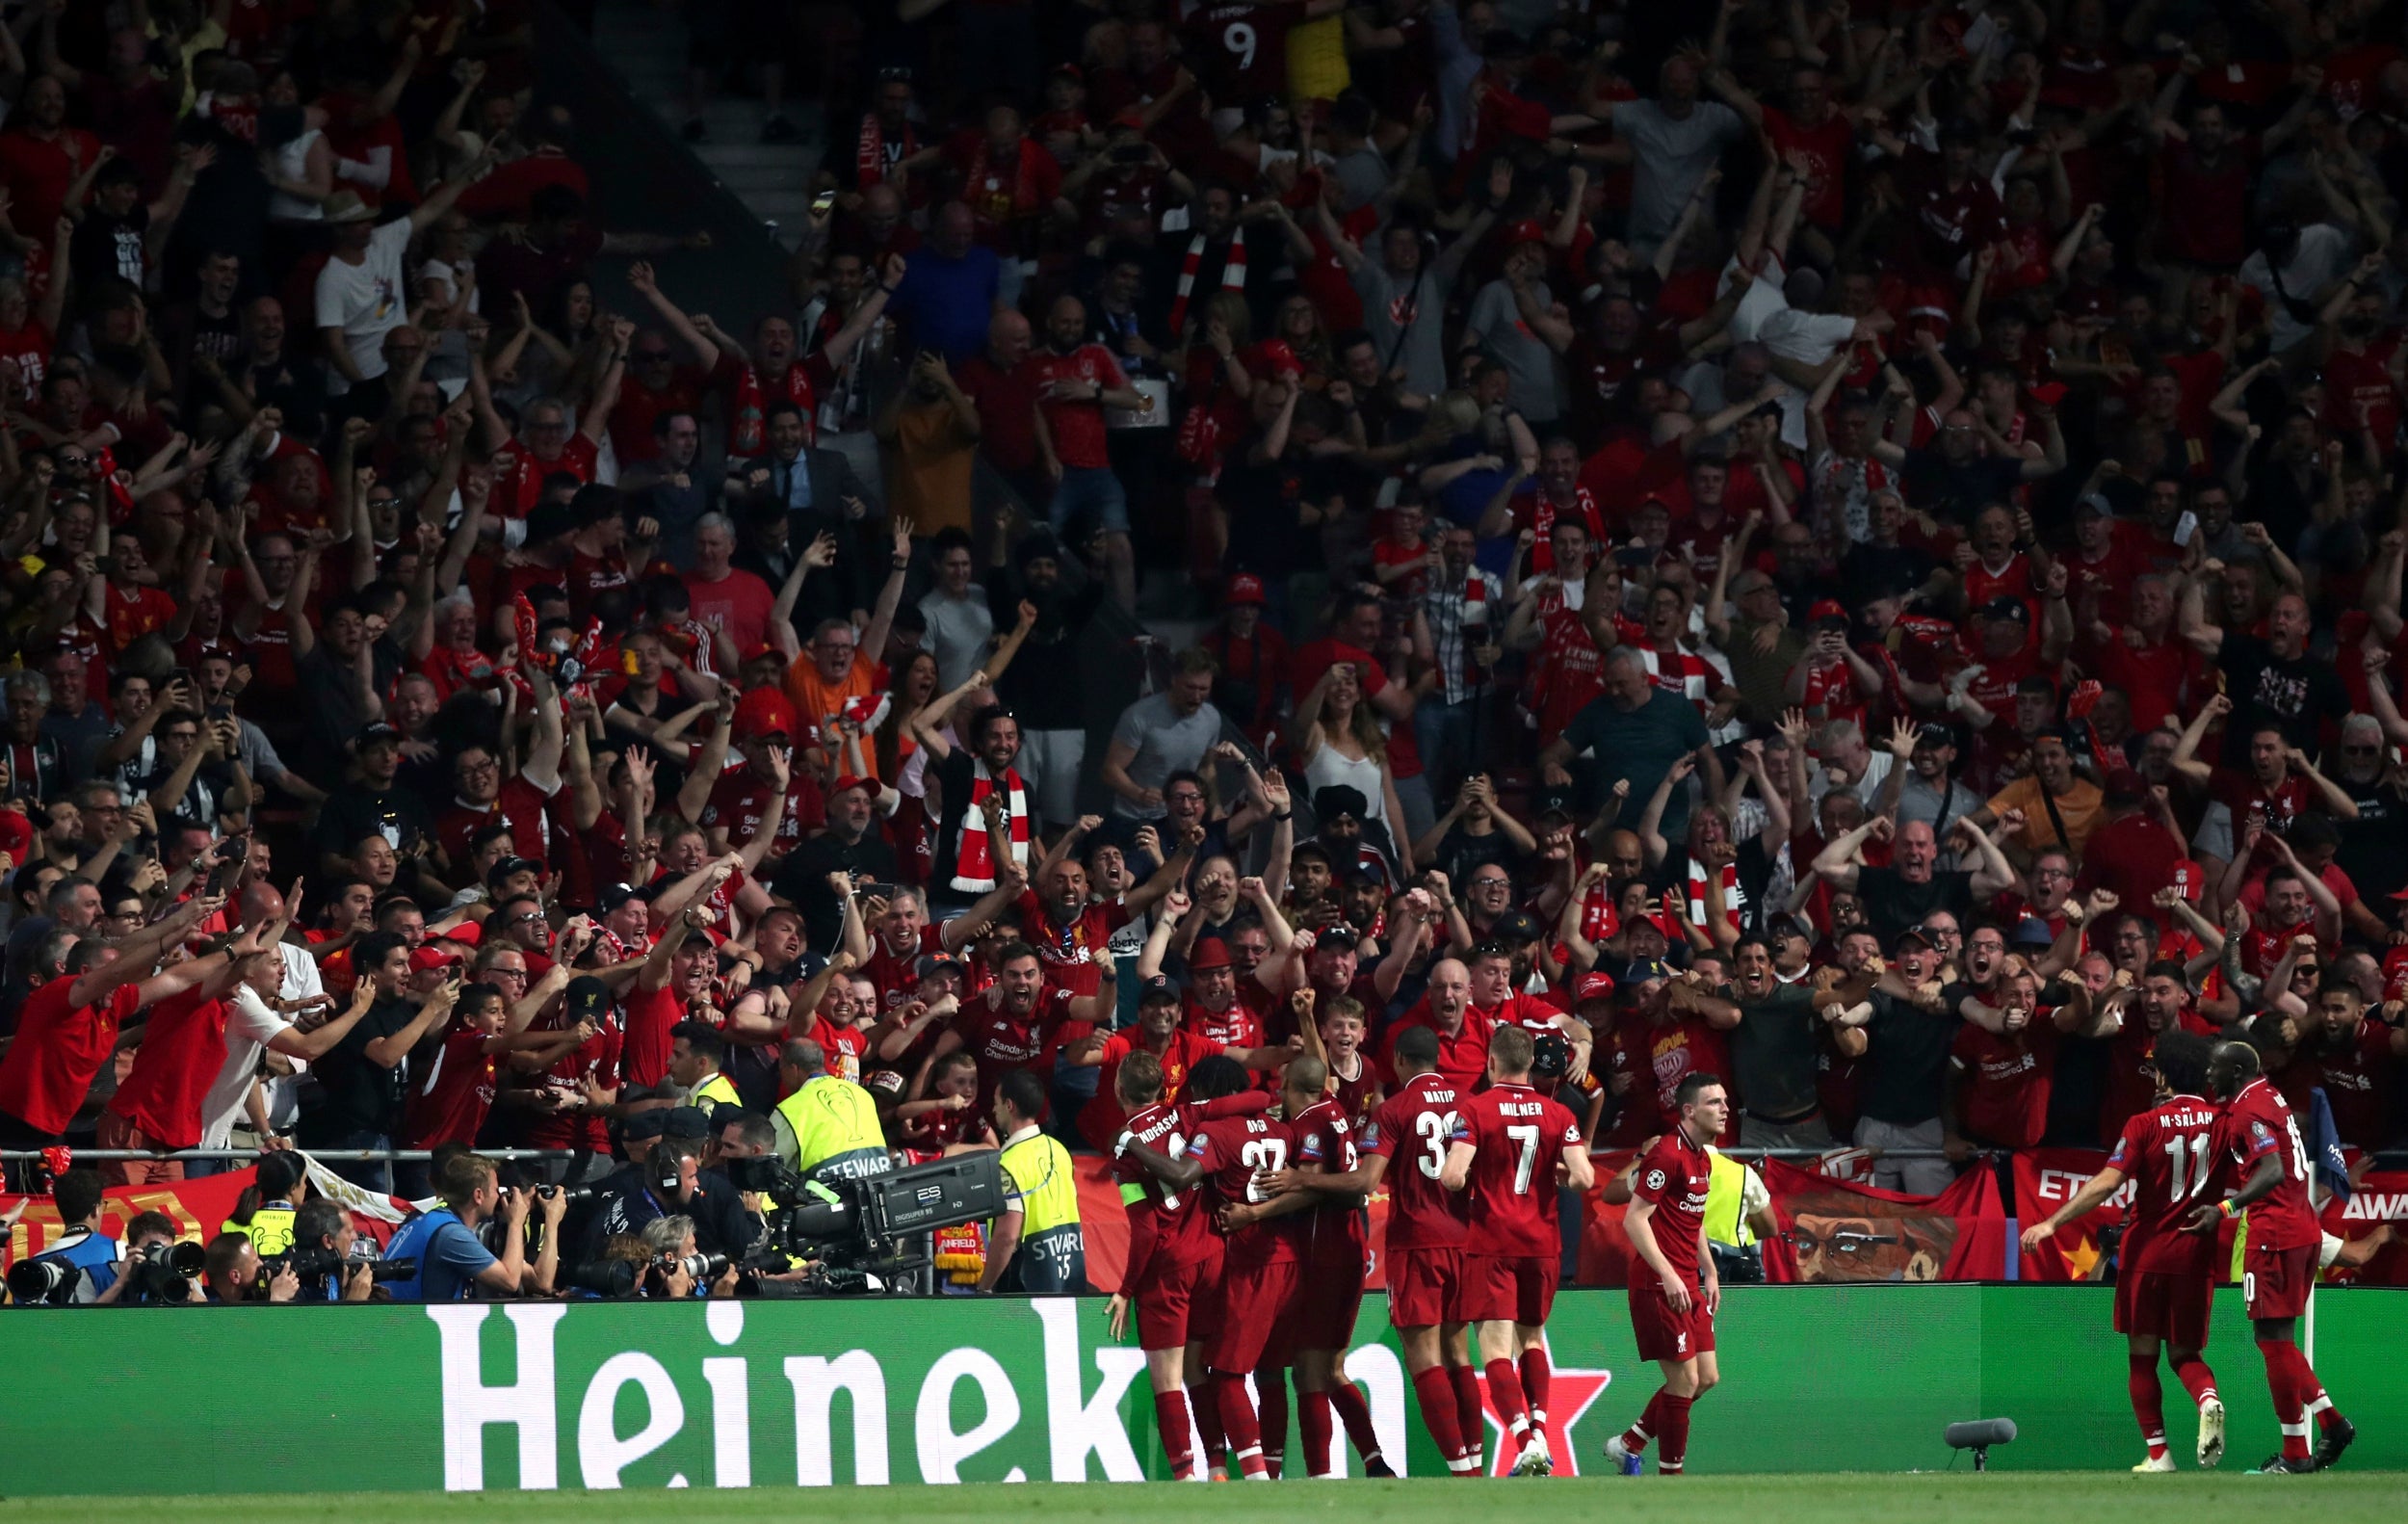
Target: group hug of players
(2220, 1142)
(1248, 1251)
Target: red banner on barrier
(2045, 1180)
(198, 1208)
(1838, 1230)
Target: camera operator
(149, 1277)
(97, 1259)
(323, 1230)
(233, 1272)
(452, 1258)
(672, 1183)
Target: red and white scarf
(974, 864)
(1232, 276)
(870, 162)
(1733, 899)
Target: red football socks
(1505, 1394)
(1170, 1417)
(1534, 1373)
(1646, 1426)
(1237, 1421)
(1674, 1450)
(1314, 1418)
(2148, 1401)
(1271, 1406)
(1355, 1414)
(2286, 1373)
(1471, 1420)
(1438, 1416)
(2196, 1378)
(1206, 1406)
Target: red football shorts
(1424, 1287)
(2173, 1307)
(1180, 1302)
(2274, 1282)
(1665, 1334)
(1518, 1288)
(1254, 1298)
(1328, 1294)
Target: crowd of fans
(1854, 548)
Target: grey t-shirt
(1672, 155)
(1418, 308)
(1497, 318)
(1165, 743)
(1361, 177)
(1774, 1050)
(957, 633)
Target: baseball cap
(2031, 933)
(2125, 786)
(437, 953)
(2006, 606)
(1639, 970)
(1525, 231)
(1243, 588)
(509, 865)
(1935, 734)
(684, 1121)
(1517, 926)
(2186, 874)
(2094, 503)
(615, 895)
(1828, 611)
(848, 780)
(589, 1000)
(1210, 953)
(17, 834)
(1553, 802)
(1916, 934)
(762, 711)
(643, 1124)
(374, 731)
(1591, 985)
(939, 962)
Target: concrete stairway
(646, 45)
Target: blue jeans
(1444, 732)
(1085, 487)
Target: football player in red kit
(2259, 1145)
(1673, 1314)
(2165, 1277)
(1512, 1146)
(1260, 1259)
(1173, 1274)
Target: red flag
(1838, 1230)
(2046, 1179)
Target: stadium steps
(646, 46)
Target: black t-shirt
(1900, 1077)
(2374, 847)
(354, 810)
(108, 248)
(1954, 494)
(1870, 571)
(2301, 695)
(354, 1093)
(1893, 905)
(204, 796)
(1264, 502)
(801, 880)
(1461, 853)
(1773, 1049)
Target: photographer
(675, 1255)
(97, 1258)
(452, 1258)
(149, 1274)
(672, 1183)
(233, 1272)
(322, 1235)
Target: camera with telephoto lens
(44, 1282)
(574, 1193)
(603, 1277)
(165, 1273)
(312, 1263)
(701, 1267)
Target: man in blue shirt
(79, 1193)
(948, 291)
(1635, 731)
(451, 1256)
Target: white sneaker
(2154, 1464)
(2210, 1432)
(1625, 1461)
(1535, 1460)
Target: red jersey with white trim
(1232, 1152)
(1412, 1130)
(1240, 51)
(2169, 1153)
(2258, 1122)
(1673, 1177)
(1519, 1135)
(1170, 1218)
(449, 1104)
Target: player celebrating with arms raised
(1674, 1318)
(1507, 1145)
(2165, 1278)
(2278, 1252)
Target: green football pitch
(1843, 1498)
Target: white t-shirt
(249, 1025)
(366, 301)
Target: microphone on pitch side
(1978, 1435)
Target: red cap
(437, 953)
(17, 834)
(2189, 876)
(1243, 588)
(1591, 985)
(765, 651)
(848, 780)
(1525, 231)
(762, 711)
(1828, 609)
(1210, 953)
(1281, 359)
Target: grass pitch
(1841, 1498)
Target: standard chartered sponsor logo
(637, 1401)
